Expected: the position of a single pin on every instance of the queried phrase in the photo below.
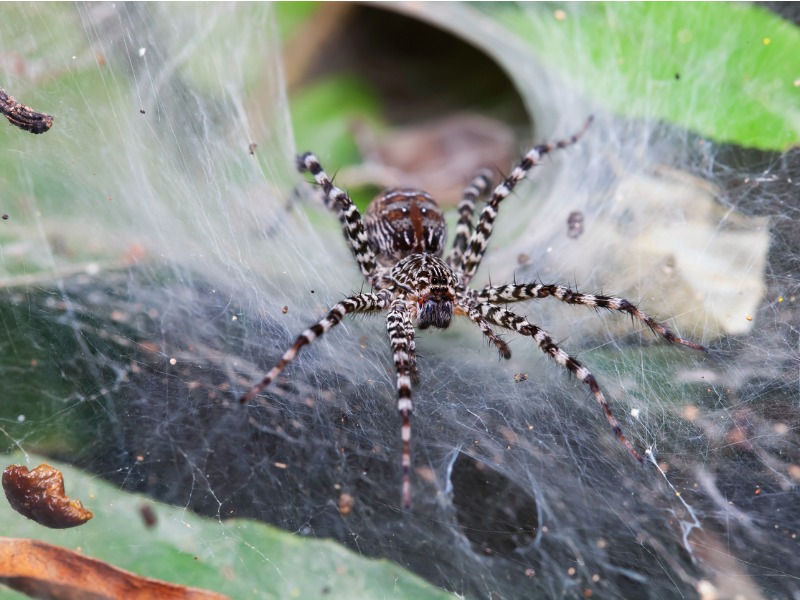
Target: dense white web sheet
(164, 273)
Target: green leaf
(323, 115)
(729, 71)
(240, 558)
(290, 16)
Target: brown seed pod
(39, 495)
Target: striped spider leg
(466, 210)
(405, 366)
(398, 246)
(352, 224)
(476, 247)
(505, 294)
(491, 296)
(509, 320)
(362, 303)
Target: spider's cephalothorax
(403, 221)
(398, 248)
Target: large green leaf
(240, 558)
(726, 70)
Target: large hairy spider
(398, 246)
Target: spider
(399, 245)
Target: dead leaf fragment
(42, 570)
(345, 503)
(23, 116)
(39, 495)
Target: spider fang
(435, 309)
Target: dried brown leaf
(23, 116)
(42, 570)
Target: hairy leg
(483, 231)
(466, 210)
(352, 223)
(402, 355)
(474, 314)
(527, 291)
(361, 303)
(509, 320)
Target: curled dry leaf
(39, 495)
(42, 570)
(438, 156)
(23, 116)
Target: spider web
(155, 267)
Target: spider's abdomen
(430, 285)
(404, 221)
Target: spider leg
(352, 223)
(509, 320)
(402, 344)
(476, 317)
(483, 231)
(362, 303)
(408, 324)
(528, 291)
(466, 210)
